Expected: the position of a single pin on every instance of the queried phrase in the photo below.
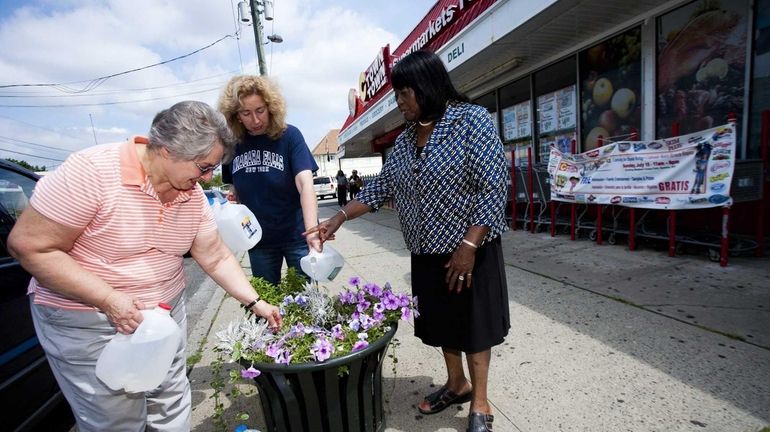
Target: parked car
(211, 196)
(29, 395)
(325, 186)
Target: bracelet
(471, 244)
(251, 305)
(344, 214)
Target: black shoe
(480, 422)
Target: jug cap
(164, 306)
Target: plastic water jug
(322, 266)
(140, 361)
(237, 225)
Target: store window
(611, 81)
(489, 101)
(760, 86)
(701, 70)
(516, 111)
(555, 102)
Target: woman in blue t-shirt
(271, 173)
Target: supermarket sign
(685, 172)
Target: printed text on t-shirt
(255, 160)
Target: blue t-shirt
(263, 172)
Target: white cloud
(326, 45)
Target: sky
(68, 44)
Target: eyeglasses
(207, 169)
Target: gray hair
(189, 130)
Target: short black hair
(424, 72)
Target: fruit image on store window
(611, 79)
(701, 65)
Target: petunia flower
(390, 301)
(250, 373)
(322, 349)
(358, 346)
(373, 289)
(405, 313)
(354, 281)
(363, 306)
(284, 356)
(337, 332)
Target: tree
(216, 180)
(26, 165)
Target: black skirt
(472, 321)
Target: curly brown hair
(241, 86)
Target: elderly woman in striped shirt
(98, 259)
(448, 178)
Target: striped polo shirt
(129, 238)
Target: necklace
(426, 124)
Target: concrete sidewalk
(602, 339)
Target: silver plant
(320, 305)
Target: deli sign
(375, 77)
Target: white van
(325, 186)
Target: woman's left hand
(459, 273)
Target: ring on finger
(461, 277)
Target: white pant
(73, 340)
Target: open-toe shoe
(442, 398)
(480, 422)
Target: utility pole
(257, 24)
(93, 130)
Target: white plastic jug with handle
(322, 266)
(237, 225)
(140, 361)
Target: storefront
(588, 72)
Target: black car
(29, 395)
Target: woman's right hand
(123, 311)
(269, 312)
(327, 228)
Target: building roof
(328, 144)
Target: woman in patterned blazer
(447, 176)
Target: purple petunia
(300, 300)
(390, 301)
(297, 330)
(354, 281)
(355, 325)
(403, 300)
(373, 289)
(284, 356)
(322, 349)
(274, 349)
(288, 300)
(363, 306)
(337, 332)
(250, 373)
(347, 297)
(405, 313)
(358, 346)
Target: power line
(34, 144)
(40, 127)
(111, 103)
(96, 82)
(31, 155)
(116, 91)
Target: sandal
(442, 398)
(480, 422)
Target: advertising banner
(685, 172)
